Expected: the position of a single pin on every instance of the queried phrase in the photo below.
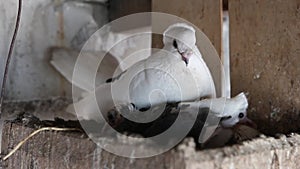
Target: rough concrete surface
(50, 149)
(75, 150)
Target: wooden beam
(121, 8)
(205, 14)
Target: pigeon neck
(170, 48)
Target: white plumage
(176, 73)
(163, 77)
(64, 61)
(234, 109)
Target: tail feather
(90, 66)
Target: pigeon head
(236, 107)
(182, 40)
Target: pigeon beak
(185, 59)
(185, 56)
(248, 122)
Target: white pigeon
(174, 74)
(231, 110)
(224, 113)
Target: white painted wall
(44, 24)
(56, 23)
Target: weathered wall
(265, 59)
(43, 24)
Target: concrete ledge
(75, 150)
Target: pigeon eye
(175, 44)
(241, 115)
